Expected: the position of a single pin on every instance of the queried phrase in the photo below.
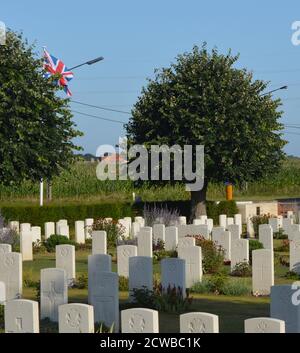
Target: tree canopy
(204, 99)
(36, 127)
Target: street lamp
(274, 90)
(90, 62)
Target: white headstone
(159, 232)
(76, 318)
(262, 271)
(61, 222)
(104, 297)
(290, 214)
(224, 240)
(26, 246)
(186, 242)
(135, 228)
(264, 325)
(295, 256)
(15, 225)
(140, 273)
(210, 224)
(139, 320)
(274, 223)
(65, 259)
(197, 322)
(234, 230)
(198, 221)
(294, 232)
(286, 223)
(36, 234)
(217, 232)
(239, 251)
(250, 229)
(97, 263)
(5, 248)
(193, 264)
(238, 221)
(145, 242)
(285, 306)
(265, 232)
(11, 274)
(181, 220)
(21, 316)
(79, 232)
(88, 226)
(2, 293)
(223, 220)
(99, 242)
(25, 227)
(173, 274)
(124, 252)
(49, 229)
(64, 231)
(125, 226)
(171, 238)
(54, 292)
(230, 221)
(140, 220)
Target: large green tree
(36, 127)
(203, 99)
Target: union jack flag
(54, 66)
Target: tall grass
(80, 182)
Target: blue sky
(135, 37)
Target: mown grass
(80, 184)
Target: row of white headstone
(22, 316)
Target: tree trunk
(198, 202)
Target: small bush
(227, 207)
(292, 275)
(81, 282)
(8, 236)
(213, 255)
(217, 282)
(254, 245)
(158, 245)
(242, 269)
(113, 229)
(258, 220)
(54, 240)
(236, 288)
(280, 235)
(227, 287)
(285, 246)
(170, 300)
(284, 260)
(159, 255)
(123, 284)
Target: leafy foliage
(54, 240)
(213, 255)
(203, 99)
(258, 220)
(170, 300)
(242, 269)
(36, 125)
(113, 229)
(254, 245)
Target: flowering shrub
(160, 215)
(114, 231)
(242, 269)
(258, 220)
(213, 254)
(170, 300)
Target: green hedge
(39, 215)
(184, 207)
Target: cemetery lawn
(232, 310)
